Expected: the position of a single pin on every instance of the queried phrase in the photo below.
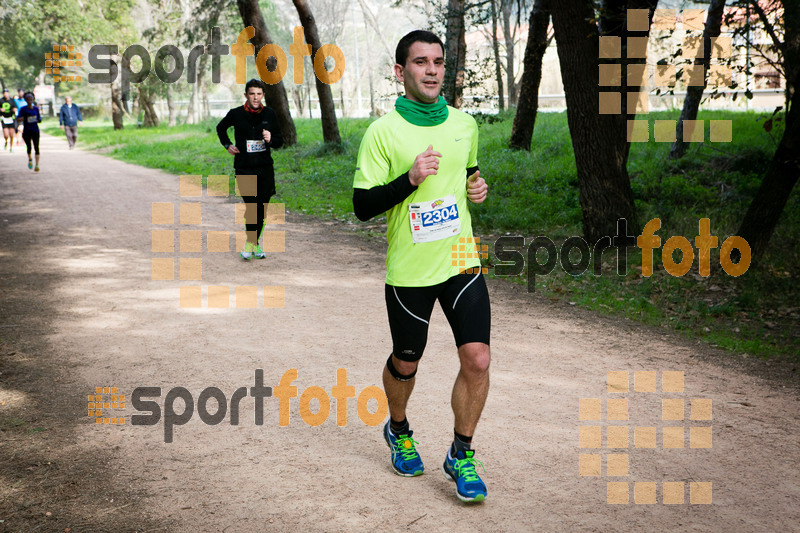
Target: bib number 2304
(432, 221)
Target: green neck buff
(422, 114)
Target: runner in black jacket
(256, 131)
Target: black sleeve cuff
(368, 203)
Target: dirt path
(79, 310)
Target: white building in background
(669, 32)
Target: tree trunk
(298, 96)
(275, 95)
(498, 71)
(308, 95)
(528, 103)
(171, 106)
(598, 140)
(372, 109)
(330, 127)
(123, 98)
(192, 106)
(694, 93)
(146, 103)
(455, 54)
(369, 17)
(765, 210)
(791, 50)
(613, 22)
(205, 111)
(511, 82)
(116, 108)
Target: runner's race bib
(31, 118)
(436, 220)
(8, 120)
(256, 146)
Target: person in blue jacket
(29, 115)
(20, 101)
(69, 118)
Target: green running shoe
(258, 253)
(249, 251)
(405, 458)
(461, 469)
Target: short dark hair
(416, 36)
(258, 84)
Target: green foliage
(31, 28)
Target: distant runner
(31, 117)
(20, 101)
(8, 117)
(256, 131)
(419, 164)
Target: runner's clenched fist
(425, 164)
(476, 188)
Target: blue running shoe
(405, 459)
(461, 469)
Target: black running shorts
(464, 300)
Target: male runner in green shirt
(419, 164)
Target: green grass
(536, 193)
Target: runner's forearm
(368, 203)
(275, 131)
(222, 130)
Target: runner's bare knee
(475, 358)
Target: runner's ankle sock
(460, 442)
(399, 428)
